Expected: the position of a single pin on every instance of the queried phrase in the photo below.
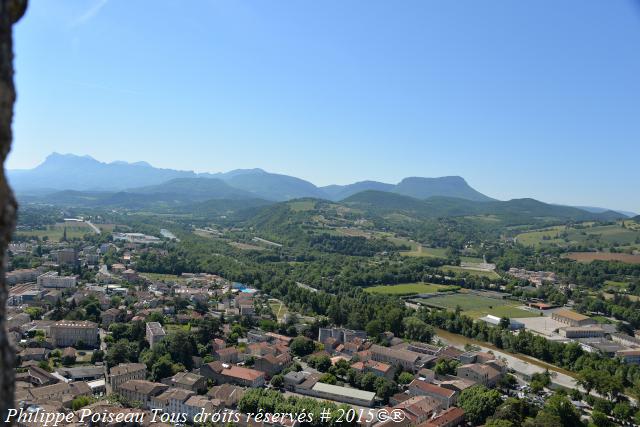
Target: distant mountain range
(83, 180)
(516, 210)
(419, 188)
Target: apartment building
(141, 391)
(125, 372)
(409, 360)
(154, 333)
(65, 333)
(24, 275)
(479, 373)
(51, 279)
(445, 396)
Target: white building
(155, 333)
(51, 279)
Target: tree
(301, 346)
(97, 356)
(543, 419)
(499, 423)
(478, 403)
(405, 378)
(505, 323)
(120, 352)
(80, 402)
(446, 367)
(587, 379)
(416, 329)
(599, 419)
(559, 405)
(181, 346)
(375, 328)
(277, 381)
(394, 320)
(328, 379)
(513, 410)
(385, 389)
(622, 411)
(162, 368)
(321, 362)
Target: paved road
(95, 229)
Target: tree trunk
(10, 12)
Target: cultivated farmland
(603, 256)
(410, 289)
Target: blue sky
(522, 98)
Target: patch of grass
(613, 285)
(278, 308)
(55, 232)
(423, 251)
(601, 319)
(454, 269)
(478, 306)
(410, 289)
(246, 246)
(302, 205)
(473, 259)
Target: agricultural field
(354, 232)
(616, 286)
(603, 256)
(587, 234)
(55, 232)
(105, 228)
(302, 205)
(455, 269)
(410, 289)
(418, 250)
(609, 296)
(476, 306)
(246, 246)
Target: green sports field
(478, 306)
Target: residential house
(272, 365)
(226, 355)
(229, 395)
(222, 373)
(484, 374)
(452, 417)
(188, 381)
(422, 388)
(61, 392)
(38, 354)
(110, 316)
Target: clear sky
(537, 98)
